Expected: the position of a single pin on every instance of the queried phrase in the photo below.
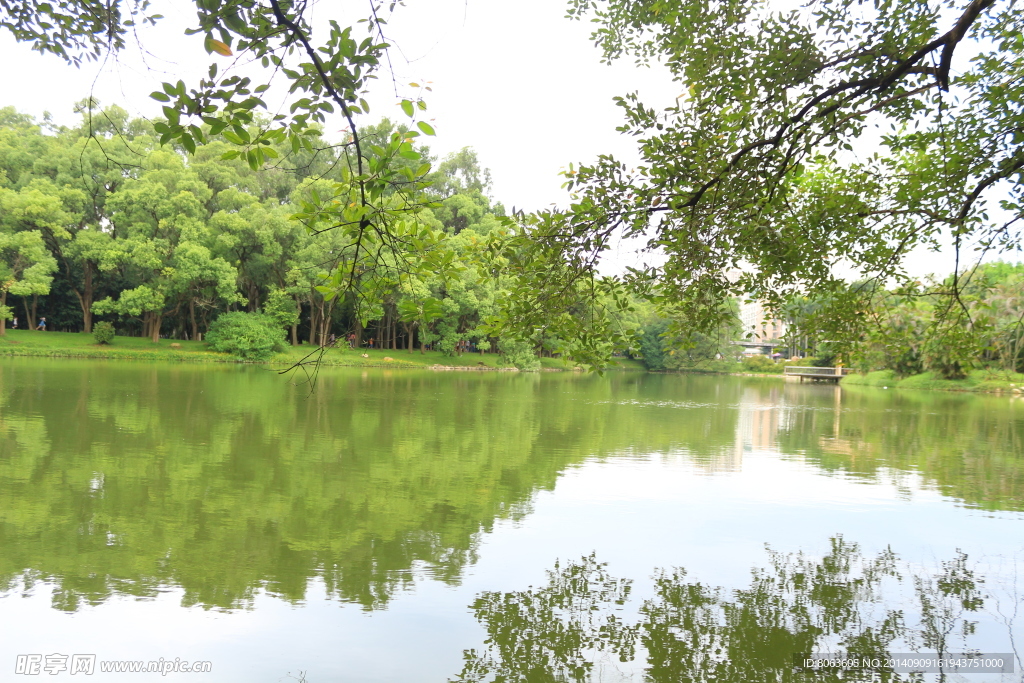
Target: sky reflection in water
(222, 514)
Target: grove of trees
(838, 134)
(100, 220)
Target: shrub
(519, 353)
(761, 364)
(249, 336)
(103, 332)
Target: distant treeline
(99, 221)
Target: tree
(383, 177)
(754, 166)
(161, 224)
(461, 172)
(30, 214)
(26, 269)
(80, 168)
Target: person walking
(42, 325)
(14, 325)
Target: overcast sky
(517, 81)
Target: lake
(433, 526)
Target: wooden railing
(817, 372)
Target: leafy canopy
(841, 133)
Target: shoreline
(992, 382)
(995, 382)
(79, 346)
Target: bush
(103, 332)
(519, 353)
(761, 364)
(249, 336)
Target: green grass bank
(989, 381)
(77, 345)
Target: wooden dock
(817, 374)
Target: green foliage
(249, 336)
(652, 344)
(922, 327)
(951, 355)
(103, 332)
(519, 353)
(673, 344)
(26, 267)
(165, 249)
(747, 185)
(826, 355)
(762, 364)
(280, 307)
(748, 168)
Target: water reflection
(128, 479)
(578, 627)
(966, 446)
(969, 447)
(122, 479)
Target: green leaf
(425, 127)
(407, 107)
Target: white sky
(517, 81)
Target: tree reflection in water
(843, 602)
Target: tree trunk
(3, 319)
(154, 326)
(325, 324)
(326, 314)
(30, 313)
(409, 335)
(314, 323)
(192, 318)
(295, 327)
(359, 332)
(87, 299)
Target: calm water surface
(420, 526)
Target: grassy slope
(879, 378)
(978, 380)
(72, 345)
